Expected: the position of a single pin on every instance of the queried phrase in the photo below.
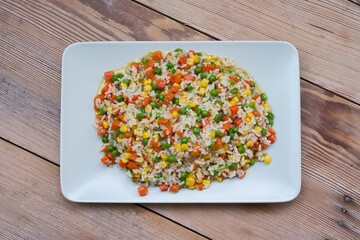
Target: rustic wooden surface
(33, 37)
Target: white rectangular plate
(274, 65)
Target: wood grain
(30, 83)
(326, 33)
(32, 207)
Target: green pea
(212, 78)
(103, 110)
(263, 132)
(253, 84)
(216, 173)
(263, 96)
(176, 101)
(199, 54)
(116, 118)
(189, 88)
(114, 78)
(169, 65)
(234, 130)
(199, 119)
(144, 61)
(196, 130)
(119, 98)
(184, 175)
(114, 153)
(158, 175)
(142, 109)
(182, 111)
(270, 115)
(241, 149)
(204, 113)
(158, 115)
(145, 141)
(252, 105)
(162, 97)
(271, 121)
(156, 160)
(244, 106)
(127, 81)
(234, 91)
(105, 140)
(232, 135)
(158, 71)
(218, 133)
(178, 50)
(110, 148)
(232, 82)
(217, 118)
(118, 132)
(165, 145)
(170, 159)
(203, 75)
(198, 70)
(153, 85)
(173, 70)
(212, 144)
(184, 140)
(219, 102)
(213, 64)
(153, 104)
(233, 166)
(214, 93)
(198, 111)
(140, 116)
(252, 161)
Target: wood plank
(33, 37)
(326, 33)
(32, 207)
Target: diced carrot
(207, 68)
(154, 143)
(111, 157)
(136, 65)
(174, 188)
(264, 146)
(116, 111)
(234, 78)
(122, 165)
(127, 134)
(136, 97)
(226, 117)
(121, 117)
(115, 124)
(237, 121)
(167, 131)
(143, 191)
(189, 77)
(146, 101)
(222, 155)
(163, 187)
(177, 78)
(161, 83)
(196, 165)
(157, 149)
(149, 64)
(101, 97)
(256, 113)
(105, 148)
(169, 96)
(196, 152)
(150, 73)
(157, 56)
(108, 75)
(227, 126)
(271, 131)
(129, 149)
(180, 133)
(113, 97)
(105, 88)
(132, 165)
(175, 109)
(101, 131)
(133, 156)
(218, 143)
(174, 89)
(171, 78)
(146, 158)
(248, 83)
(272, 138)
(192, 53)
(199, 186)
(234, 109)
(256, 97)
(182, 60)
(255, 146)
(105, 160)
(242, 174)
(163, 121)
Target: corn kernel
(123, 85)
(204, 82)
(148, 108)
(206, 182)
(175, 114)
(247, 160)
(249, 144)
(246, 166)
(202, 159)
(242, 162)
(257, 128)
(219, 179)
(212, 134)
(146, 135)
(184, 147)
(163, 164)
(177, 147)
(266, 105)
(207, 156)
(123, 128)
(213, 57)
(148, 150)
(105, 124)
(249, 115)
(127, 155)
(124, 160)
(136, 132)
(191, 187)
(225, 147)
(147, 88)
(192, 175)
(267, 159)
(110, 108)
(217, 63)
(192, 104)
(233, 103)
(119, 140)
(136, 175)
(248, 119)
(231, 157)
(247, 92)
(147, 82)
(245, 133)
(190, 61)
(190, 181)
(163, 157)
(208, 59)
(235, 99)
(156, 136)
(196, 59)
(140, 160)
(182, 100)
(202, 91)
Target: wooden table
(33, 37)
